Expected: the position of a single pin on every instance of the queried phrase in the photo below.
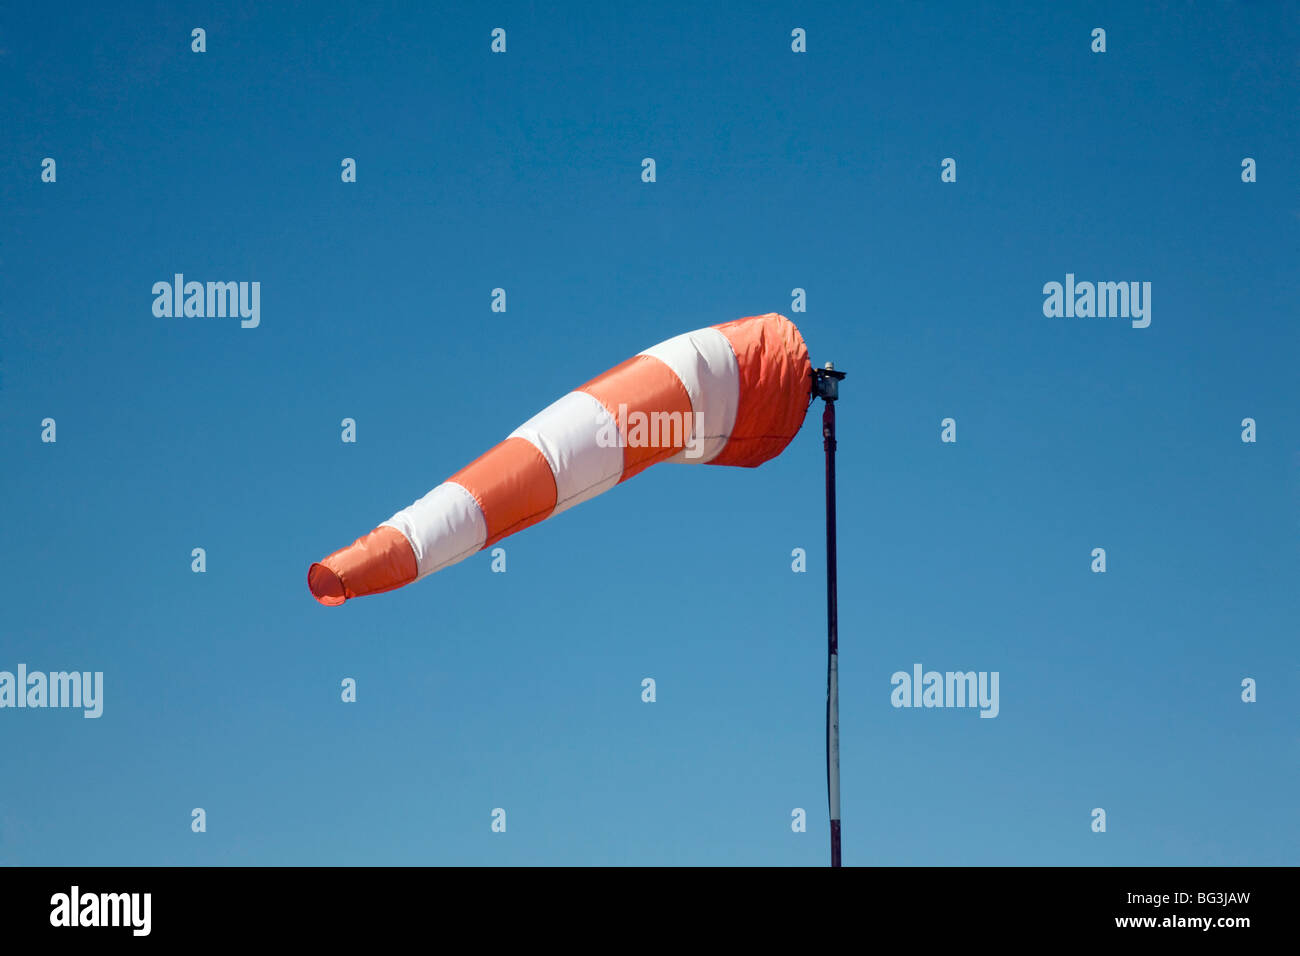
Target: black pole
(826, 384)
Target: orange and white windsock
(731, 394)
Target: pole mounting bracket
(826, 382)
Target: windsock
(731, 394)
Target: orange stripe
(513, 485)
(775, 382)
(381, 561)
(645, 385)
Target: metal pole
(826, 385)
(832, 641)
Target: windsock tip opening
(326, 586)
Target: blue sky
(775, 170)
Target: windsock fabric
(731, 394)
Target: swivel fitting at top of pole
(826, 382)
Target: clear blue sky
(775, 170)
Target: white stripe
(445, 526)
(568, 434)
(706, 364)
